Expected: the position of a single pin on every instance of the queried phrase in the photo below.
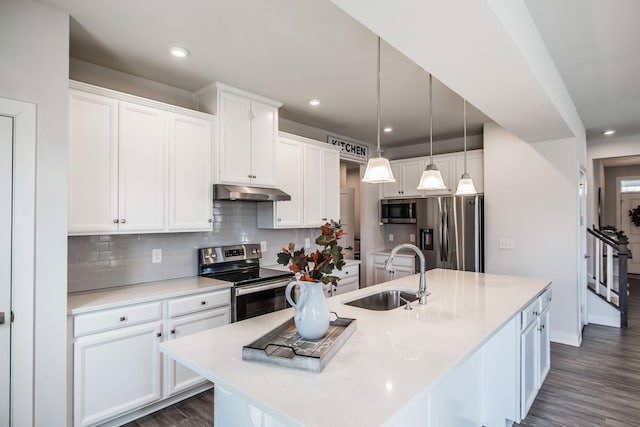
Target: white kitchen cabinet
(407, 173)
(142, 168)
(349, 279)
(117, 368)
(179, 378)
(116, 372)
(475, 168)
(402, 266)
(248, 131)
(309, 171)
(135, 165)
(190, 178)
(535, 357)
(93, 163)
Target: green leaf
(284, 258)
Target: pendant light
(431, 178)
(465, 185)
(378, 168)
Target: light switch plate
(507, 244)
(390, 237)
(263, 246)
(307, 242)
(412, 238)
(156, 256)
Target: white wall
(531, 197)
(34, 68)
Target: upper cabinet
(135, 165)
(451, 166)
(247, 137)
(309, 171)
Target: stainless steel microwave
(398, 211)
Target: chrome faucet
(422, 288)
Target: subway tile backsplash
(97, 262)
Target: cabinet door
(411, 173)
(93, 163)
(544, 361)
(116, 372)
(234, 114)
(178, 377)
(189, 173)
(264, 133)
(313, 184)
(381, 275)
(475, 168)
(290, 180)
(331, 185)
(529, 370)
(142, 168)
(394, 189)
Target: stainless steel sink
(384, 300)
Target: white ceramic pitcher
(311, 311)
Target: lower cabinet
(349, 280)
(115, 372)
(402, 266)
(117, 365)
(535, 354)
(178, 378)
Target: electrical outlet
(507, 244)
(307, 242)
(263, 246)
(390, 237)
(156, 256)
(412, 238)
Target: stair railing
(611, 249)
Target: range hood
(243, 192)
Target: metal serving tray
(284, 347)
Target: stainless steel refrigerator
(450, 232)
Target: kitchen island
(454, 361)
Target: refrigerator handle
(445, 235)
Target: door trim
(23, 258)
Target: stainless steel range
(256, 290)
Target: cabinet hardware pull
(203, 302)
(249, 176)
(159, 334)
(122, 221)
(210, 220)
(173, 331)
(123, 318)
(115, 221)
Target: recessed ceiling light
(179, 52)
(314, 102)
(609, 132)
(388, 129)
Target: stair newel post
(623, 242)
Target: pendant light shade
(378, 168)
(465, 185)
(431, 178)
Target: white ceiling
(293, 50)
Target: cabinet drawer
(84, 324)
(200, 302)
(545, 300)
(530, 313)
(347, 271)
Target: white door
(582, 252)
(411, 173)
(235, 138)
(6, 184)
(629, 201)
(290, 171)
(264, 132)
(331, 186)
(314, 190)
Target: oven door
(258, 299)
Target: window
(629, 185)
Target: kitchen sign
(349, 149)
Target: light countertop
(401, 253)
(83, 302)
(392, 357)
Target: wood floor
(596, 384)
